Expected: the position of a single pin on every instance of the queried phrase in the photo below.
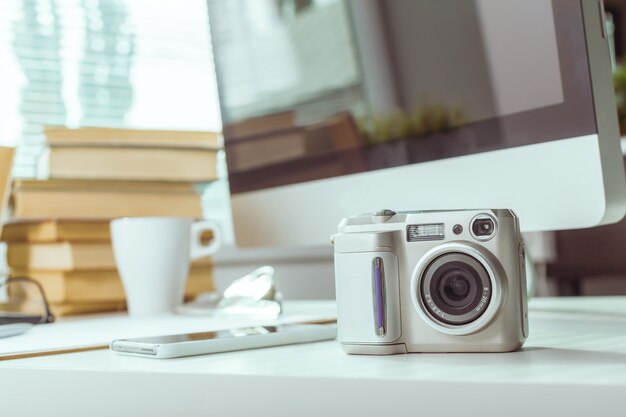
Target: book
(127, 186)
(262, 151)
(346, 141)
(70, 309)
(335, 134)
(81, 308)
(133, 163)
(100, 136)
(340, 130)
(51, 230)
(103, 199)
(6, 163)
(60, 256)
(260, 125)
(103, 286)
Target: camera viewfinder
(483, 227)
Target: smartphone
(190, 344)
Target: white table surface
(573, 364)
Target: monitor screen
(333, 108)
(315, 89)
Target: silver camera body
(431, 281)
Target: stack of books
(73, 261)
(107, 173)
(274, 150)
(275, 139)
(59, 234)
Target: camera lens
(483, 227)
(455, 288)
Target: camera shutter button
(382, 216)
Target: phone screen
(220, 334)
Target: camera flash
(420, 232)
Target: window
(112, 63)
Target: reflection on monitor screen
(453, 78)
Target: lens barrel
(455, 288)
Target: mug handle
(197, 249)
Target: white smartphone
(190, 344)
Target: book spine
(84, 287)
(42, 204)
(132, 164)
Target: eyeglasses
(22, 300)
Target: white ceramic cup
(153, 255)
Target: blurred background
(149, 65)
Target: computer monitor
(333, 108)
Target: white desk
(574, 364)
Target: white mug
(153, 255)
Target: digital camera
(431, 281)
